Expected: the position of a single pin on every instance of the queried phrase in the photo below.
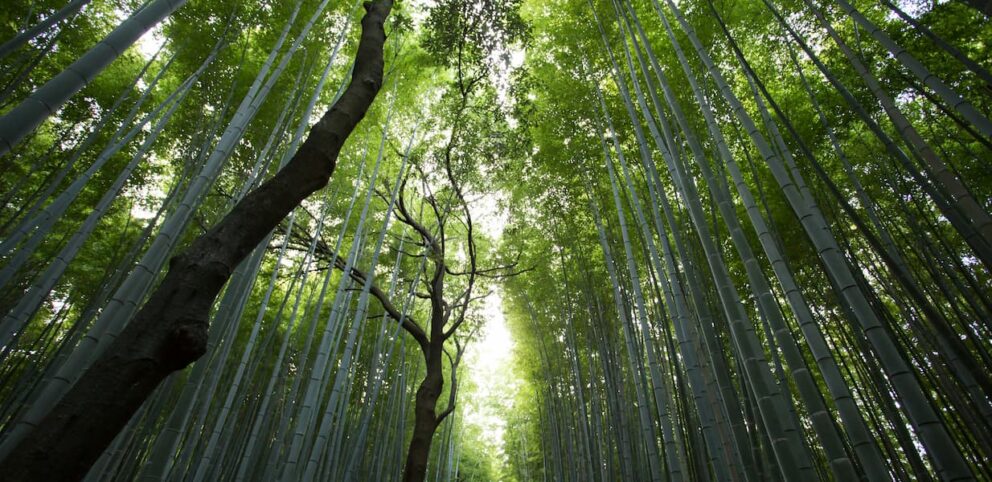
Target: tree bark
(170, 330)
(425, 420)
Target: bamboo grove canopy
(733, 240)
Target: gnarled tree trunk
(425, 419)
(170, 330)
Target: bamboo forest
(496, 240)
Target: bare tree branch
(409, 324)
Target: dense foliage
(733, 240)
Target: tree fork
(170, 330)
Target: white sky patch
(503, 72)
(148, 196)
(493, 349)
(915, 8)
(487, 360)
(517, 57)
(150, 42)
(420, 9)
(490, 218)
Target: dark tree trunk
(425, 423)
(425, 418)
(170, 330)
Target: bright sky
(147, 45)
(488, 359)
(487, 366)
(150, 42)
(487, 363)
